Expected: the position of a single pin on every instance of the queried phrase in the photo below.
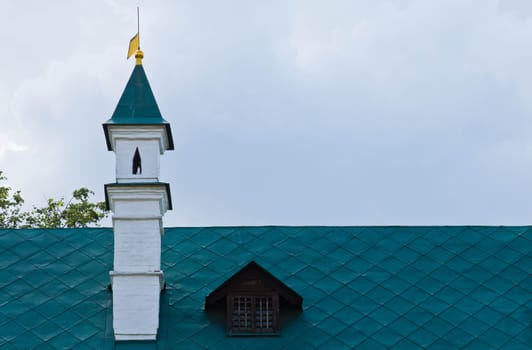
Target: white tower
(138, 135)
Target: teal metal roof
(362, 287)
(137, 106)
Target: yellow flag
(134, 45)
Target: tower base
(136, 298)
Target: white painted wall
(149, 154)
(137, 245)
(138, 206)
(151, 140)
(136, 305)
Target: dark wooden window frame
(254, 327)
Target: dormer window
(253, 300)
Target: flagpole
(138, 25)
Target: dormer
(253, 300)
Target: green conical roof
(137, 106)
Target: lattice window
(264, 313)
(253, 314)
(242, 314)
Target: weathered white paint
(151, 140)
(138, 203)
(137, 245)
(136, 304)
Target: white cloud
(7, 145)
(294, 112)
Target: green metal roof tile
(421, 245)
(442, 344)
(329, 285)
(385, 315)
(27, 340)
(65, 340)
(406, 255)
(424, 338)
(344, 275)
(485, 295)
(380, 294)
(351, 337)
(295, 283)
(469, 304)
(444, 274)
(500, 284)
(400, 304)
(316, 337)
(504, 305)
(404, 235)
(375, 255)
(426, 263)
(312, 294)
(509, 255)
(364, 304)
(464, 283)
(430, 285)
(418, 315)
(509, 326)
(494, 337)
(368, 325)
(377, 274)
(444, 289)
(9, 258)
(356, 246)
(441, 255)
(474, 326)
(12, 330)
(358, 264)
(310, 274)
(434, 305)
(388, 337)
(513, 344)
(47, 330)
(362, 284)
(349, 315)
(403, 326)
(334, 344)
(370, 344)
(330, 305)
(333, 325)
(454, 315)
(415, 295)
(391, 264)
(406, 344)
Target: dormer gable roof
(254, 278)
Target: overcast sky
(374, 112)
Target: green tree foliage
(10, 206)
(79, 211)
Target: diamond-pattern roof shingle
(362, 287)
